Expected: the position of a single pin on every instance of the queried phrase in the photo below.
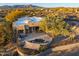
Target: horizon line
(48, 5)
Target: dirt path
(62, 50)
(65, 47)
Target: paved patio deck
(33, 36)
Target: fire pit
(38, 41)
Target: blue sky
(46, 4)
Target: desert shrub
(43, 48)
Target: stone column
(32, 29)
(24, 31)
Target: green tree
(10, 18)
(5, 34)
(54, 24)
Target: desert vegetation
(53, 22)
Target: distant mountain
(20, 6)
(5, 6)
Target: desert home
(27, 24)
